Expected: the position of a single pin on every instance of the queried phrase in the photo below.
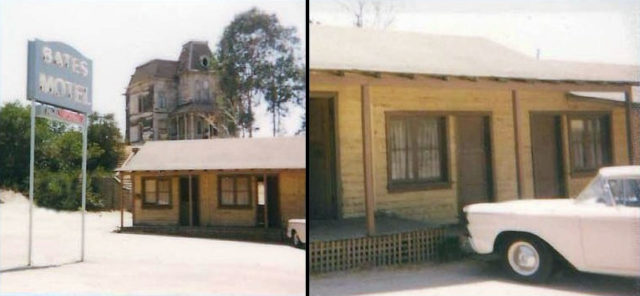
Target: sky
(120, 35)
(605, 31)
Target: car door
(611, 233)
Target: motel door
(271, 197)
(322, 192)
(473, 142)
(184, 201)
(546, 150)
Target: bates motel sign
(59, 75)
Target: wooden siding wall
(293, 197)
(291, 191)
(441, 204)
(532, 101)
(635, 134)
(158, 216)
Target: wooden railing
(390, 249)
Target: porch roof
(219, 154)
(357, 49)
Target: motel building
(405, 129)
(245, 188)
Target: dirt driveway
(136, 264)
(466, 277)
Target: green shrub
(63, 191)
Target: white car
(599, 231)
(297, 231)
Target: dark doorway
(184, 200)
(273, 202)
(321, 133)
(475, 176)
(546, 149)
(260, 214)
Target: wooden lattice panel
(398, 248)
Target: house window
(416, 155)
(235, 191)
(162, 100)
(590, 142)
(157, 191)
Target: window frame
(584, 116)
(146, 204)
(445, 160)
(249, 205)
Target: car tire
(295, 240)
(527, 259)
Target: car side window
(625, 191)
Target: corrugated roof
(154, 69)
(612, 96)
(220, 154)
(357, 49)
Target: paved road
(465, 277)
(136, 264)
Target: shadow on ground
(24, 268)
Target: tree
(256, 58)
(303, 124)
(106, 144)
(370, 13)
(58, 155)
(15, 137)
(283, 86)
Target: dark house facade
(172, 100)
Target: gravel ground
(465, 277)
(132, 263)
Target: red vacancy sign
(59, 114)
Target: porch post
(190, 202)
(266, 218)
(368, 160)
(633, 138)
(122, 201)
(186, 126)
(193, 130)
(516, 135)
(133, 198)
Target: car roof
(620, 171)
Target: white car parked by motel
(297, 232)
(599, 231)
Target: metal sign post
(58, 75)
(85, 127)
(31, 164)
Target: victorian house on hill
(172, 100)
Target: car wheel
(528, 259)
(295, 240)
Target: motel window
(157, 191)
(416, 155)
(590, 142)
(235, 191)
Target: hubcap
(523, 258)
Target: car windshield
(625, 191)
(595, 192)
(621, 190)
